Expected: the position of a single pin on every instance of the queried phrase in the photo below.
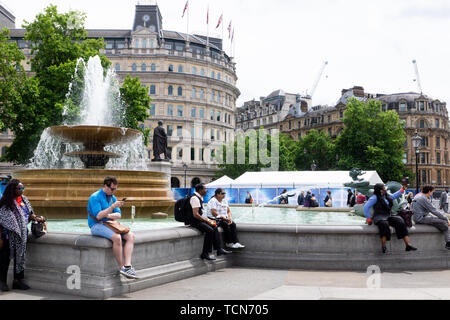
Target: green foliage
(137, 104)
(317, 147)
(372, 140)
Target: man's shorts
(101, 230)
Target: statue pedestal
(160, 166)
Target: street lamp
(417, 143)
(185, 168)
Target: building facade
(192, 83)
(418, 112)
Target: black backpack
(183, 210)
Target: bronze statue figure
(160, 143)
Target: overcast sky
(282, 44)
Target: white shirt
(195, 203)
(221, 208)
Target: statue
(159, 143)
(366, 189)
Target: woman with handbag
(328, 201)
(103, 211)
(382, 203)
(15, 213)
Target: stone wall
(162, 256)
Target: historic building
(417, 112)
(192, 83)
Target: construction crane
(316, 82)
(417, 79)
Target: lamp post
(417, 143)
(185, 169)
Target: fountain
(72, 160)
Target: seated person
(314, 203)
(219, 210)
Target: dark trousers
(229, 231)
(4, 264)
(212, 236)
(397, 223)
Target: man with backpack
(191, 213)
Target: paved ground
(263, 284)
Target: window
(152, 43)
(402, 107)
(437, 123)
(153, 67)
(170, 90)
(341, 114)
(202, 132)
(134, 67)
(180, 68)
(143, 67)
(438, 157)
(202, 94)
(179, 111)
(179, 131)
(212, 115)
(438, 142)
(117, 66)
(200, 154)
(218, 115)
(384, 107)
(169, 131)
(192, 154)
(202, 72)
(170, 67)
(219, 98)
(212, 134)
(194, 70)
(152, 89)
(194, 93)
(213, 74)
(170, 110)
(218, 75)
(152, 109)
(202, 113)
(180, 91)
(193, 112)
(439, 178)
(213, 95)
(424, 176)
(136, 43)
(193, 132)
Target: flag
(220, 20)
(229, 30)
(185, 8)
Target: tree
(372, 140)
(317, 147)
(137, 103)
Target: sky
(283, 44)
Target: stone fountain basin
(90, 135)
(64, 193)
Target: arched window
(174, 182)
(117, 66)
(170, 91)
(180, 91)
(143, 67)
(153, 67)
(170, 67)
(180, 68)
(134, 67)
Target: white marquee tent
(294, 179)
(223, 182)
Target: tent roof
(223, 182)
(271, 179)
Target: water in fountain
(93, 99)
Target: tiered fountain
(72, 160)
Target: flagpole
(223, 47)
(187, 24)
(207, 27)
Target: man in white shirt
(205, 225)
(219, 210)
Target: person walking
(382, 203)
(425, 213)
(219, 210)
(443, 202)
(103, 206)
(328, 201)
(15, 213)
(207, 226)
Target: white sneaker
(129, 273)
(237, 245)
(229, 245)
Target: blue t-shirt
(98, 201)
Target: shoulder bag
(113, 225)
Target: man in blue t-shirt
(103, 206)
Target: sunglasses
(112, 189)
(21, 189)
(223, 193)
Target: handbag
(38, 229)
(406, 216)
(328, 203)
(113, 225)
